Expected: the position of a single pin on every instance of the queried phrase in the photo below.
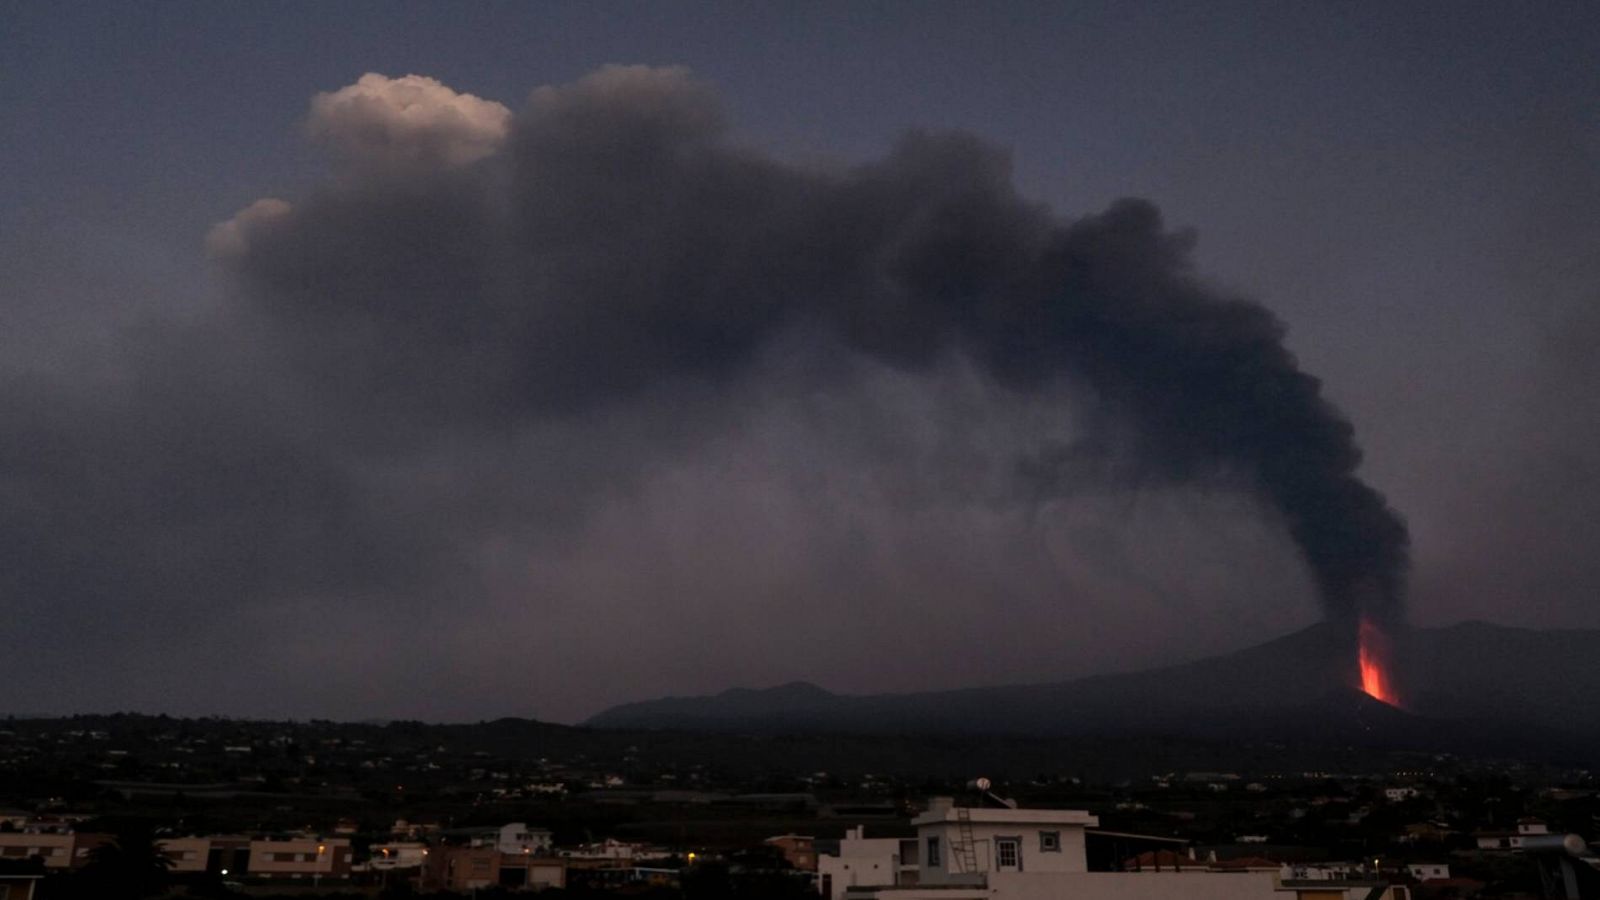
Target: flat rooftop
(996, 816)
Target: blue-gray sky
(1412, 189)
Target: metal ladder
(967, 853)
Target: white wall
(547, 876)
(1110, 886)
(857, 871)
(517, 837)
(1070, 858)
(862, 862)
(1135, 886)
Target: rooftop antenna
(982, 785)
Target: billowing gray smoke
(471, 267)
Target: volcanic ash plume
(496, 267)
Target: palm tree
(132, 866)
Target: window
(1049, 842)
(1007, 853)
(933, 852)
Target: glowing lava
(1377, 677)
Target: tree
(128, 868)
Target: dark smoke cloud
(473, 269)
(504, 381)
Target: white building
(310, 858)
(517, 837)
(867, 862)
(1512, 840)
(1400, 794)
(961, 844)
(62, 850)
(970, 853)
(613, 849)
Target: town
(220, 807)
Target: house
(614, 850)
(1424, 831)
(302, 858)
(398, 856)
(411, 831)
(960, 844)
(1400, 794)
(1497, 840)
(57, 850)
(188, 855)
(53, 850)
(1526, 827)
(799, 849)
(228, 855)
(1428, 871)
(461, 868)
(526, 871)
(975, 853)
(469, 868)
(1511, 840)
(517, 837)
(866, 862)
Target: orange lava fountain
(1377, 678)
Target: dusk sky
(452, 361)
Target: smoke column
(610, 238)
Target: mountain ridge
(1471, 682)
